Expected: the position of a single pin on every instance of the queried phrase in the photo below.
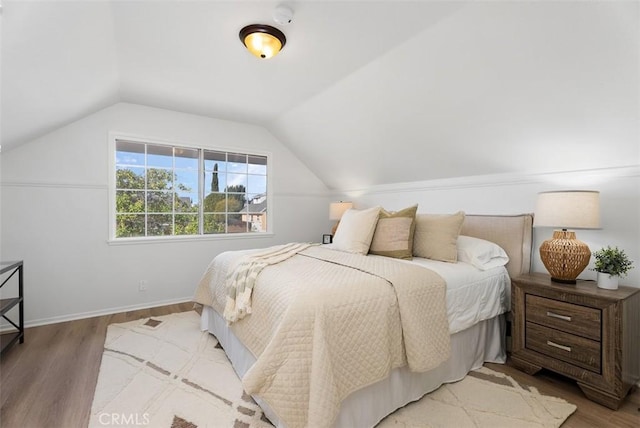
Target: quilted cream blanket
(325, 323)
(242, 279)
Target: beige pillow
(393, 236)
(355, 230)
(436, 236)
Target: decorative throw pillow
(481, 253)
(436, 236)
(393, 236)
(355, 230)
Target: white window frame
(113, 240)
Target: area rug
(164, 372)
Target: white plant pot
(607, 281)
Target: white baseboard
(101, 312)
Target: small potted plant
(611, 264)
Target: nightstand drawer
(572, 349)
(570, 318)
(590, 334)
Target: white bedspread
(473, 295)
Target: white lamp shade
(568, 209)
(337, 209)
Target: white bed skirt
(470, 349)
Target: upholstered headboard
(512, 232)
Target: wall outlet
(143, 285)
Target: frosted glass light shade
(263, 41)
(337, 209)
(572, 209)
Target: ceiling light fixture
(264, 41)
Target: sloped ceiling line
(365, 93)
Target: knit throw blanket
(242, 279)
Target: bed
(473, 308)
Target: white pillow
(482, 254)
(355, 230)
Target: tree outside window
(157, 191)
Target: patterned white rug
(164, 372)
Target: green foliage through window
(166, 191)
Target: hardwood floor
(49, 380)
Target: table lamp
(336, 210)
(564, 256)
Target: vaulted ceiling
(364, 93)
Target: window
(164, 190)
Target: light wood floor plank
(49, 380)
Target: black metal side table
(8, 339)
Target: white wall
(516, 193)
(0, 138)
(55, 214)
(54, 211)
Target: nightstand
(579, 330)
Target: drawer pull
(555, 345)
(554, 315)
